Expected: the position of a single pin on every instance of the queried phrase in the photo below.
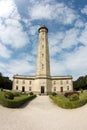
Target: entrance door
(23, 89)
(61, 89)
(42, 89)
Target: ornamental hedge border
(16, 102)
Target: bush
(71, 93)
(74, 97)
(16, 94)
(31, 93)
(9, 95)
(54, 94)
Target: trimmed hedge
(16, 102)
(64, 102)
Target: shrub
(74, 97)
(54, 94)
(31, 93)
(16, 94)
(9, 95)
(71, 93)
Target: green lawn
(64, 102)
(18, 100)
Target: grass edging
(16, 102)
(64, 102)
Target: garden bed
(17, 101)
(68, 103)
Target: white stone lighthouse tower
(43, 62)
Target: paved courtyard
(42, 114)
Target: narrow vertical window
(42, 66)
(42, 46)
(42, 55)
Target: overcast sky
(66, 21)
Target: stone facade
(42, 82)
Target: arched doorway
(42, 89)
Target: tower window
(43, 39)
(42, 55)
(42, 66)
(42, 46)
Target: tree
(80, 83)
(5, 82)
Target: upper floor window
(23, 82)
(67, 81)
(17, 81)
(54, 82)
(61, 82)
(29, 82)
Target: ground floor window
(54, 89)
(30, 89)
(67, 87)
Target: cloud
(84, 10)
(56, 11)
(11, 30)
(4, 52)
(8, 9)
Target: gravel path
(42, 114)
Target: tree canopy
(80, 83)
(5, 82)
